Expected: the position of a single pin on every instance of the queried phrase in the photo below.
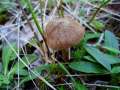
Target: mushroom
(62, 33)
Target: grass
(96, 55)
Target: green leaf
(7, 55)
(79, 53)
(100, 57)
(1, 77)
(111, 40)
(112, 59)
(22, 72)
(89, 36)
(87, 67)
(97, 24)
(37, 71)
(28, 59)
(1, 67)
(4, 79)
(112, 50)
(116, 69)
(89, 58)
(79, 86)
(5, 5)
(61, 88)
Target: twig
(81, 75)
(40, 2)
(44, 12)
(29, 23)
(64, 84)
(80, 19)
(100, 39)
(99, 85)
(103, 9)
(55, 9)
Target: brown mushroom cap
(62, 33)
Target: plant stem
(40, 1)
(98, 9)
(37, 24)
(63, 67)
(61, 10)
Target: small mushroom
(62, 33)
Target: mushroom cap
(62, 33)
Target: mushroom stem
(69, 54)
